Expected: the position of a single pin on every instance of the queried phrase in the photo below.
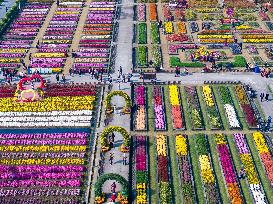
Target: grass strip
(260, 109)
(220, 107)
(153, 163)
(196, 172)
(203, 108)
(237, 162)
(185, 108)
(259, 166)
(217, 169)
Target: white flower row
(52, 113)
(31, 10)
(258, 194)
(71, 3)
(231, 115)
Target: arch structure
(122, 196)
(110, 108)
(109, 130)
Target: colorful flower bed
(141, 112)
(164, 179)
(228, 170)
(142, 56)
(94, 51)
(207, 175)
(186, 176)
(67, 105)
(141, 156)
(264, 154)
(142, 35)
(255, 186)
(177, 114)
(230, 110)
(159, 109)
(212, 110)
(153, 12)
(53, 165)
(52, 51)
(194, 108)
(246, 106)
(141, 12)
(17, 40)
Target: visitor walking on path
(63, 78)
(124, 159)
(58, 77)
(262, 96)
(113, 187)
(113, 197)
(111, 158)
(113, 137)
(120, 70)
(267, 97)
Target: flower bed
(255, 186)
(177, 111)
(163, 171)
(153, 12)
(246, 107)
(212, 110)
(169, 28)
(142, 35)
(21, 34)
(142, 56)
(155, 33)
(94, 51)
(46, 170)
(186, 175)
(141, 12)
(156, 56)
(228, 170)
(264, 154)
(67, 105)
(141, 165)
(230, 110)
(206, 169)
(141, 112)
(159, 109)
(194, 108)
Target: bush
(175, 61)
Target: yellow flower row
(169, 27)
(181, 146)
(206, 171)
(260, 142)
(9, 60)
(249, 169)
(208, 95)
(63, 103)
(214, 36)
(258, 40)
(161, 145)
(220, 139)
(14, 50)
(56, 54)
(243, 27)
(141, 197)
(174, 95)
(67, 12)
(44, 148)
(55, 161)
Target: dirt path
(77, 37)
(41, 33)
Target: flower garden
(191, 24)
(198, 157)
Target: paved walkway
(4, 4)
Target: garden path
(41, 33)
(123, 59)
(77, 36)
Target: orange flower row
(234, 193)
(153, 12)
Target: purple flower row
(41, 168)
(28, 155)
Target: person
(114, 107)
(123, 78)
(119, 85)
(70, 72)
(58, 77)
(113, 187)
(242, 173)
(113, 197)
(111, 158)
(262, 96)
(93, 73)
(63, 78)
(129, 77)
(110, 80)
(266, 97)
(120, 70)
(111, 144)
(177, 71)
(113, 137)
(151, 62)
(101, 77)
(124, 159)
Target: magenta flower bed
(160, 123)
(141, 153)
(140, 95)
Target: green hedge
(175, 61)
